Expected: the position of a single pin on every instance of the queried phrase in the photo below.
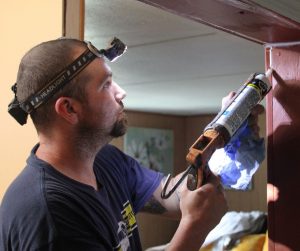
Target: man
(77, 192)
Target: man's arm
(166, 207)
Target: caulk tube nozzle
(269, 72)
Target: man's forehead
(99, 68)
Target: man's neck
(66, 158)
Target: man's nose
(120, 92)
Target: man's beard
(120, 127)
(91, 138)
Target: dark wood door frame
(243, 18)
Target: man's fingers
(213, 179)
(220, 189)
(252, 120)
(227, 99)
(257, 110)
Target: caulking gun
(221, 129)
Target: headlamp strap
(58, 82)
(14, 89)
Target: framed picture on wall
(151, 147)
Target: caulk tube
(230, 119)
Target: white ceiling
(173, 65)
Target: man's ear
(67, 108)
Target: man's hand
(202, 209)
(207, 203)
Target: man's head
(38, 67)
(43, 63)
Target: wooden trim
(82, 19)
(74, 18)
(244, 18)
(283, 147)
(269, 130)
(64, 8)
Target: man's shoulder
(23, 214)
(111, 155)
(109, 149)
(24, 194)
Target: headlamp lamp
(20, 111)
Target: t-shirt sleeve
(140, 182)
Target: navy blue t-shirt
(45, 210)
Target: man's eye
(107, 84)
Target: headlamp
(20, 111)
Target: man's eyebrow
(106, 76)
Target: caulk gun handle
(199, 155)
(197, 177)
